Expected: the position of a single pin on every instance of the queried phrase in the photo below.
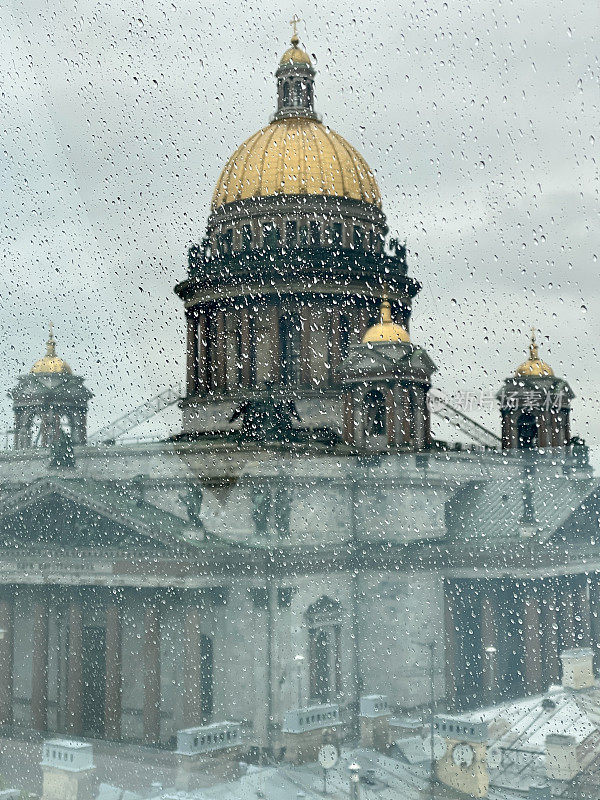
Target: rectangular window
(315, 234)
(246, 237)
(336, 234)
(357, 238)
(270, 236)
(291, 233)
(226, 242)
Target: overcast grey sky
(478, 119)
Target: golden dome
(296, 156)
(534, 366)
(386, 330)
(295, 55)
(51, 363)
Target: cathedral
(303, 539)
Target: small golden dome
(51, 363)
(534, 366)
(386, 330)
(296, 156)
(295, 55)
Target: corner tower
(535, 405)
(290, 273)
(48, 401)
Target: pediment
(385, 359)
(67, 514)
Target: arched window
(35, 431)
(289, 344)
(374, 413)
(527, 431)
(298, 93)
(286, 94)
(323, 619)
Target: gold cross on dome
(294, 23)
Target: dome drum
(289, 221)
(332, 270)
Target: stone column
(262, 667)
(192, 666)
(417, 410)
(489, 639)
(348, 417)
(305, 370)
(450, 641)
(543, 438)
(151, 674)
(533, 645)
(246, 347)
(363, 321)
(551, 639)
(359, 422)
(192, 355)
(405, 415)
(221, 351)
(390, 417)
(6, 661)
(275, 344)
(114, 678)
(334, 344)
(75, 669)
(39, 663)
(202, 381)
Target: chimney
(578, 668)
(561, 757)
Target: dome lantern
(295, 81)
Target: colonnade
(504, 637)
(258, 342)
(113, 608)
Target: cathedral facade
(304, 537)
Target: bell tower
(49, 402)
(386, 380)
(535, 405)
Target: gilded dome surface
(296, 56)
(386, 330)
(296, 156)
(50, 364)
(534, 366)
